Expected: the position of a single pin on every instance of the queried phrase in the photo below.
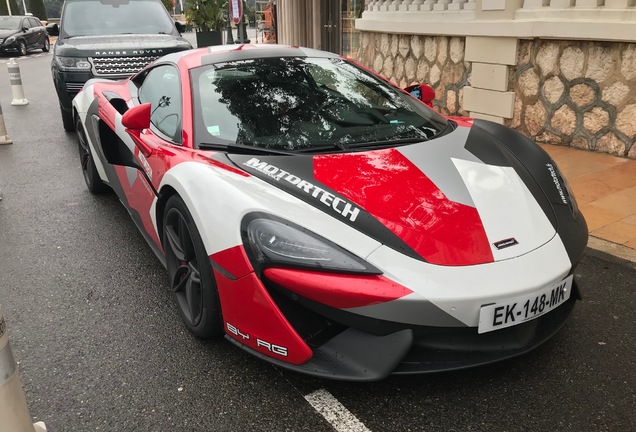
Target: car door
(161, 88)
(37, 33)
(27, 32)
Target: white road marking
(334, 412)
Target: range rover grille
(117, 66)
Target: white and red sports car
(329, 222)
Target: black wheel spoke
(193, 295)
(179, 237)
(85, 160)
(186, 240)
(180, 279)
(82, 142)
(175, 243)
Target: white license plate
(524, 308)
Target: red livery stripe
(253, 319)
(234, 260)
(341, 291)
(387, 185)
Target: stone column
(488, 97)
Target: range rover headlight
(73, 63)
(270, 241)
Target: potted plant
(209, 18)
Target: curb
(612, 251)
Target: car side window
(34, 23)
(25, 24)
(162, 89)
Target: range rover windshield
(304, 105)
(112, 17)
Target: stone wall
(409, 59)
(574, 93)
(577, 93)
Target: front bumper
(375, 349)
(11, 47)
(68, 85)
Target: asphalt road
(101, 346)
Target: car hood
(6, 33)
(436, 201)
(128, 44)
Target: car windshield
(110, 17)
(10, 23)
(304, 104)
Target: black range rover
(108, 39)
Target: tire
(47, 45)
(91, 177)
(22, 48)
(67, 120)
(190, 273)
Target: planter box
(209, 38)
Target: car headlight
(563, 188)
(10, 39)
(271, 241)
(72, 63)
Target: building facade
(560, 71)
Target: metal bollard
(14, 413)
(16, 83)
(4, 138)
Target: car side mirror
(24, 29)
(180, 27)
(423, 92)
(137, 118)
(53, 29)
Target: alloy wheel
(86, 159)
(186, 282)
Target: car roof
(227, 53)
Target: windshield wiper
(242, 149)
(389, 142)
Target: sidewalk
(605, 190)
